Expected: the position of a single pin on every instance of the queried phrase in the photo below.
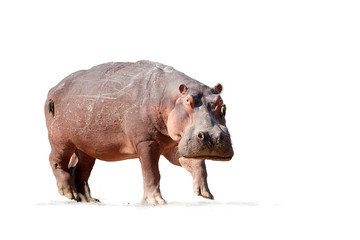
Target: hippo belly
(100, 128)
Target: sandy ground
(60, 219)
(234, 214)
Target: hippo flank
(117, 111)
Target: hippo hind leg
(81, 165)
(59, 161)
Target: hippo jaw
(206, 157)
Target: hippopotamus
(126, 110)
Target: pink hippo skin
(118, 111)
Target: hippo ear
(218, 88)
(182, 88)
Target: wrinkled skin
(119, 111)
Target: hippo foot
(87, 198)
(68, 191)
(153, 199)
(84, 192)
(201, 189)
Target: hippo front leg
(197, 168)
(149, 157)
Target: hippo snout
(212, 144)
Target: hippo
(126, 110)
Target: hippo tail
(51, 107)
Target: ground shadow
(137, 204)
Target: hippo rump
(118, 111)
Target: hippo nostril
(222, 136)
(201, 135)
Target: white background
(290, 71)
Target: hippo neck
(159, 103)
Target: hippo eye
(190, 101)
(222, 110)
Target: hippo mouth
(213, 158)
(214, 144)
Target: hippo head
(197, 123)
